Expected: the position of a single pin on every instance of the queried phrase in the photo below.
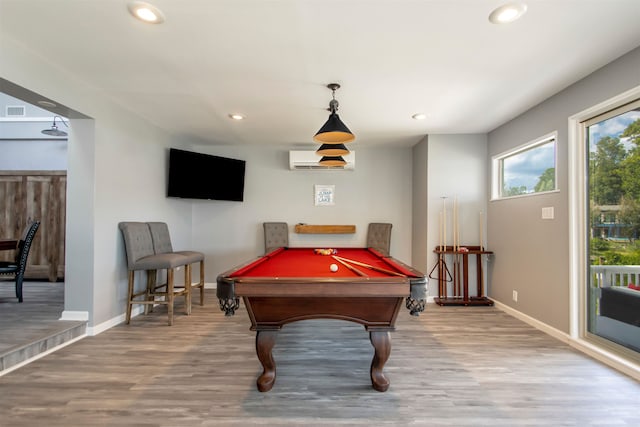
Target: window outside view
(529, 171)
(614, 216)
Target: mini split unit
(308, 160)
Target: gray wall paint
(447, 166)
(43, 155)
(456, 169)
(116, 172)
(532, 254)
(378, 190)
(24, 134)
(420, 251)
(30, 110)
(80, 226)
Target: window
(585, 250)
(525, 170)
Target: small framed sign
(324, 195)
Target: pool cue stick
(440, 231)
(444, 236)
(480, 255)
(372, 267)
(444, 216)
(459, 255)
(454, 247)
(481, 246)
(441, 281)
(456, 258)
(349, 266)
(455, 224)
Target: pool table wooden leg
(381, 341)
(265, 340)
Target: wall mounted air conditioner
(308, 160)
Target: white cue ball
(333, 267)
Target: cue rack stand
(458, 276)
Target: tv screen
(203, 176)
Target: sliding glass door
(613, 297)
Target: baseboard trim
(114, 321)
(616, 362)
(81, 316)
(556, 333)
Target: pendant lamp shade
(332, 150)
(54, 131)
(334, 131)
(332, 161)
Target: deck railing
(603, 276)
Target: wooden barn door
(36, 195)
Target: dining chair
(276, 235)
(19, 265)
(379, 237)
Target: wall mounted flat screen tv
(203, 176)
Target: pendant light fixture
(332, 161)
(332, 150)
(332, 154)
(334, 131)
(54, 131)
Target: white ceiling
(272, 59)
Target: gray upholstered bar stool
(276, 235)
(141, 257)
(379, 237)
(162, 245)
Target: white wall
(43, 155)
(22, 143)
(457, 169)
(420, 253)
(378, 190)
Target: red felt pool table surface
(305, 262)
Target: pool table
(292, 284)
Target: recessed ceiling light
(47, 104)
(419, 116)
(237, 116)
(146, 12)
(507, 13)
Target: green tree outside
(606, 177)
(614, 179)
(546, 181)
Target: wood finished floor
(22, 324)
(452, 366)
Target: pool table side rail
(403, 268)
(415, 284)
(372, 312)
(320, 287)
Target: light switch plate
(547, 213)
